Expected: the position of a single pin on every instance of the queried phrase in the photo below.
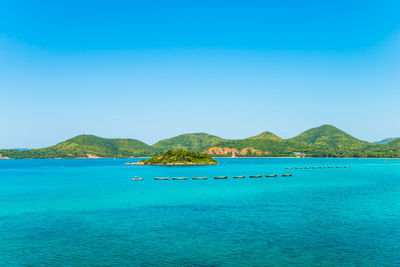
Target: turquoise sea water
(89, 212)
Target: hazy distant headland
(323, 141)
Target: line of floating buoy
(216, 177)
(318, 167)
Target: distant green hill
(328, 136)
(385, 141)
(329, 141)
(323, 141)
(193, 141)
(84, 146)
(266, 136)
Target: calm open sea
(89, 212)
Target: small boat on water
(322, 167)
(238, 176)
(286, 175)
(315, 167)
(307, 167)
(330, 167)
(220, 177)
(346, 167)
(288, 168)
(271, 175)
(161, 178)
(255, 176)
(339, 167)
(199, 178)
(299, 168)
(137, 178)
(180, 178)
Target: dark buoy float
(220, 177)
(199, 178)
(161, 178)
(180, 178)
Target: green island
(178, 157)
(322, 141)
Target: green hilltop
(328, 140)
(84, 146)
(193, 141)
(265, 136)
(323, 141)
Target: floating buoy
(180, 178)
(220, 177)
(161, 178)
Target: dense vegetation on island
(323, 141)
(180, 157)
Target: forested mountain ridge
(322, 141)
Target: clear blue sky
(154, 69)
